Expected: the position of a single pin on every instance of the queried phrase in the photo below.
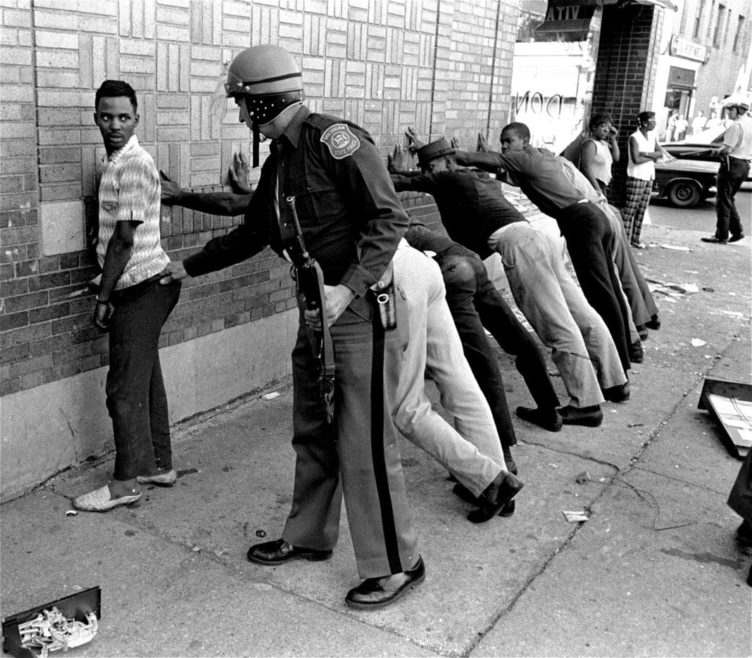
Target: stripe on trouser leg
(377, 448)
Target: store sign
(683, 47)
(568, 16)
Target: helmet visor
(263, 109)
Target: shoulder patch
(340, 140)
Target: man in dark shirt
(553, 184)
(325, 182)
(476, 214)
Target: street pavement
(654, 571)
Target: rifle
(310, 280)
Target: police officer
(736, 156)
(324, 181)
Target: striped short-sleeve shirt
(129, 190)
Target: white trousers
(471, 452)
(581, 346)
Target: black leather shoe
(497, 494)
(636, 355)
(744, 533)
(714, 240)
(736, 238)
(548, 419)
(379, 592)
(642, 331)
(617, 393)
(654, 323)
(587, 416)
(465, 494)
(279, 552)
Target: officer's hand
(397, 160)
(171, 191)
(101, 316)
(238, 174)
(483, 146)
(338, 298)
(173, 272)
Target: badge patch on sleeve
(340, 141)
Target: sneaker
(161, 478)
(587, 416)
(736, 238)
(714, 240)
(617, 393)
(639, 245)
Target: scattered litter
(705, 289)
(582, 477)
(730, 405)
(688, 288)
(64, 624)
(71, 512)
(674, 247)
(576, 517)
(553, 466)
(698, 342)
(261, 533)
(270, 396)
(636, 425)
(196, 549)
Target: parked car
(690, 178)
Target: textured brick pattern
(441, 66)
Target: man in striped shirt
(130, 304)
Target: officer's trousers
(360, 450)
(472, 452)
(581, 346)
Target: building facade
(442, 66)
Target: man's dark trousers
(730, 180)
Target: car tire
(684, 193)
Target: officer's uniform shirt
(349, 213)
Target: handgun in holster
(310, 281)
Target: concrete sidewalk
(654, 571)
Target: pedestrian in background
(736, 154)
(130, 304)
(599, 152)
(644, 151)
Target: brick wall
(625, 74)
(441, 66)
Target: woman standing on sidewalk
(644, 152)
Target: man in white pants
(472, 452)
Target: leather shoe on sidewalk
(548, 419)
(636, 354)
(587, 416)
(714, 240)
(465, 494)
(736, 238)
(101, 500)
(653, 323)
(617, 393)
(497, 494)
(279, 552)
(379, 592)
(160, 478)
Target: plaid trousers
(637, 199)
